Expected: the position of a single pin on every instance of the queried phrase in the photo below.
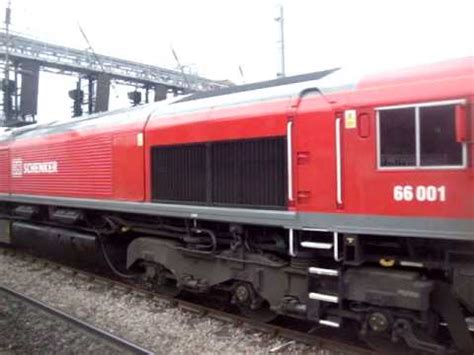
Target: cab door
(314, 154)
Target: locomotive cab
(395, 190)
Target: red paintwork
(365, 189)
(101, 163)
(4, 169)
(108, 164)
(85, 166)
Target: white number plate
(419, 193)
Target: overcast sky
(215, 37)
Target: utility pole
(280, 20)
(181, 68)
(6, 81)
(241, 72)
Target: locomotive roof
(258, 92)
(328, 81)
(260, 85)
(115, 117)
(332, 80)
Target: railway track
(292, 330)
(89, 332)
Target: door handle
(339, 200)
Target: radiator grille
(249, 173)
(179, 173)
(243, 173)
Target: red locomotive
(322, 201)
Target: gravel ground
(26, 329)
(155, 325)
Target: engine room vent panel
(179, 173)
(240, 173)
(249, 172)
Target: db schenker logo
(20, 168)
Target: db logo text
(20, 168)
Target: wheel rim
(163, 281)
(263, 314)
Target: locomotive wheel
(162, 280)
(251, 305)
(404, 339)
(263, 314)
(384, 345)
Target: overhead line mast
(6, 80)
(280, 20)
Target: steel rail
(89, 328)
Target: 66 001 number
(419, 193)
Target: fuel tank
(62, 244)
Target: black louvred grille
(179, 173)
(250, 172)
(242, 173)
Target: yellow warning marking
(350, 119)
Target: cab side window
(418, 137)
(397, 137)
(438, 146)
